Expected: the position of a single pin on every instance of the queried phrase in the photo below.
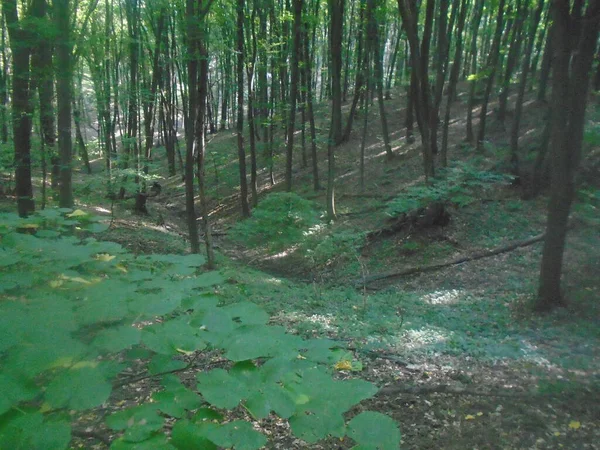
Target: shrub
(457, 186)
(280, 220)
(75, 313)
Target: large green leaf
(139, 422)
(238, 434)
(14, 391)
(314, 426)
(158, 442)
(221, 389)
(29, 431)
(374, 431)
(171, 336)
(247, 313)
(78, 389)
(190, 436)
(176, 399)
(255, 341)
(114, 340)
(165, 363)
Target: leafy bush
(279, 221)
(457, 186)
(336, 247)
(75, 313)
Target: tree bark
(570, 84)
(240, 109)
(20, 42)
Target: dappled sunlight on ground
(444, 297)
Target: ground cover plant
(72, 326)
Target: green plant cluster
(76, 312)
(281, 220)
(458, 186)
(337, 247)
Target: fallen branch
(453, 262)
(446, 389)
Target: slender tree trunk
(309, 104)
(297, 27)
(491, 67)
(200, 140)
(420, 61)
(514, 132)
(373, 39)
(511, 60)
(453, 81)
(473, 83)
(336, 12)
(240, 109)
(572, 65)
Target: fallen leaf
(574, 425)
(343, 365)
(469, 417)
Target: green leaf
(271, 398)
(154, 443)
(238, 434)
(139, 422)
(374, 431)
(314, 426)
(169, 337)
(255, 341)
(29, 431)
(247, 313)
(116, 339)
(189, 436)
(78, 389)
(164, 363)
(221, 389)
(14, 392)
(175, 401)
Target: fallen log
(452, 262)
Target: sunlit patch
(326, 321)
(273, 280)
(101, 210)
(443, 297)
(414, 339)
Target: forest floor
(461, 360)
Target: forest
(288, 224)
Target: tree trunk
(473, 82)
(240, 109)
(374, 48)
(491, 67)
(336, 29)
(454, 73)
(514, 132)
(20, 41)
(572, 65)
(291, 127)
(64, 98)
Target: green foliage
(459, 185)
(335, 247)
(280, 220)
(76, 312)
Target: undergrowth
(76, 312)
